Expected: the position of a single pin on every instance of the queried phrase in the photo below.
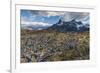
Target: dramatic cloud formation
(47, 13)
(66, 16)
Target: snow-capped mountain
(73, 25)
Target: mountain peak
(73, 25)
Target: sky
(31, 16)
(39, 18)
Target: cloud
(46, 13)
(85, 19)
(30, 18)
(66, 16)
(54, 13)
(35, 24)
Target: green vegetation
(42, 46)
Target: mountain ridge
(72, 25)
(61, 26)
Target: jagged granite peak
(73, 25)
